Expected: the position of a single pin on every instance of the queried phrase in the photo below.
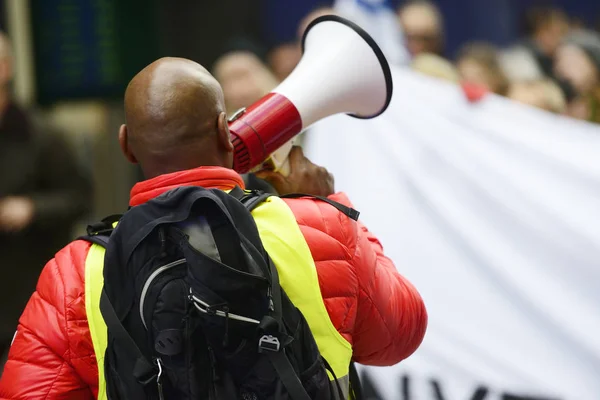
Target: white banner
(493, 211)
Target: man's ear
(123, 141)
(224, 135)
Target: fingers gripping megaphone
(342, 70)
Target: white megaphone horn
(342, 70)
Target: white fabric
(492, 210)
(380, 22)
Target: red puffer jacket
(369, 302)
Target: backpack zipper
(148, 282)
(206, 308)
(159, 387)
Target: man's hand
(305, 177)
(16, 213)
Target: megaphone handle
(279, 160)
(284, 168)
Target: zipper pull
(270, 295)
(226, 336)
(161, 395)
(163, 242)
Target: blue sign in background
(90, 48)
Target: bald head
(175, 116)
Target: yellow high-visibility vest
(283, 240)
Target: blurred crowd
(555, 66)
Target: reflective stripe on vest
(94, 281)
(283, 240)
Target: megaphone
(342, 70)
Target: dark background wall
(200, 30)
(2, 16)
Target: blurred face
(574, 65)
(244, 80)
(553, 34)
(422, 30)
(283, 59)
(473, 72)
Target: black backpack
(194, 308)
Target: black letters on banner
(481, 392)
(507, 396)
(405, 387)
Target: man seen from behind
(177, 132)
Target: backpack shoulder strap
(101, 240)
(143, 370)
(106, 226)
(276, 353)
(99, 232)
(250, 199)
(348, 211)
(253, 198)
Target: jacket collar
(208, 177)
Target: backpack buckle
(144, 372)
(268, 343)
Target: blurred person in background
(284, 58)
(543, 93)
(578, 63)
(244, 78)
(478, 64)
(42, 194)
(423, 27)
(436, 66)
(545, 28)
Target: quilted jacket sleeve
(369, 302)
(391, 318)
(40, 364)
